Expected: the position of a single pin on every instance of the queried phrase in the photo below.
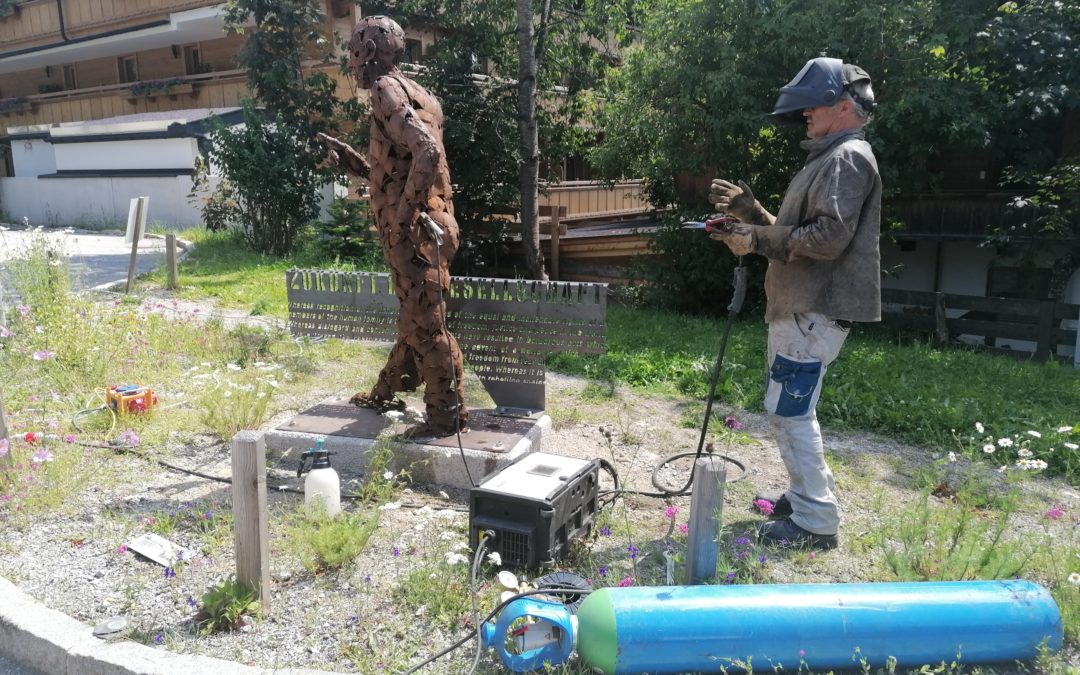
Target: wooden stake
(706, 505)
(171, 268)
(251, 519)
(137, 233)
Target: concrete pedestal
(493, 443)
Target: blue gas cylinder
(678, 629)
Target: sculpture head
(375, 49)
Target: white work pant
(801, 347)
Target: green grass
(223, 268)
(913, 392)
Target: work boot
(773, 506)
(786, 533)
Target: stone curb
(51, 642)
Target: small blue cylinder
(677, 629)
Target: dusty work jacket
(823, 248)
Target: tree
(689, 103)
(488, 115)
(273, 162)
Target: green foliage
(272, 168)
(323, 543)
(219, 208)
(274, 162)
(223, 605)
(471, 70)
(348, 234)
(234, 399)
(933, 541)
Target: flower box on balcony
(152, 90)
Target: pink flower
(802, 653)
(43, 355)
(627, 581)
(122, 548)
(42, 455)
(671, 511)
(5, 333)
(128, 438)
(70, 438)
(5, 447)
(684, 528)
(731, 423)
(764, 505)
(1055, 513)
(23, 310)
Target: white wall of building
(109, 155)
(32, 157)
(102, 202)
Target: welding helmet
(821, 82)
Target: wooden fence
(1049, 326)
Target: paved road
(97, 260)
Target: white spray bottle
(322, 484)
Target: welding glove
(739, 237)
(738, 201)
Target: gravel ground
(350, 620)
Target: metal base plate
(337, 417)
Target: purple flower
(605, 531)
(122, 548)
(764, 505)
(633, 551)
(70, 438)
(684, 528)
(742, 541)
(1055, 513)
(731, 423)
(603, 570)
(170, 573)
(128, 438)
(395, 552)
(626, 581)
(191, 602)
(43, 355)
(671, 511)
(729, 578)
(5, 447)
(159, 638)
(23, 310)
(5, 333)
(41, 456)
(761, 558)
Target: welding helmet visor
(819, 83)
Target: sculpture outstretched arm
(346, 156)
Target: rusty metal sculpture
(408, 177)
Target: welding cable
(436, 234)
(739, 283)
(477, 557)
(498, 608)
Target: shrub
(224, 605)
(323, 543)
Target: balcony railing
(38, 22)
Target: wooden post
(555, 229)
(137, 233)
(172, 271)
(251, 529)
(706, 504)
(941, 325)
(1044, 345)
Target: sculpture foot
(378, 404)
